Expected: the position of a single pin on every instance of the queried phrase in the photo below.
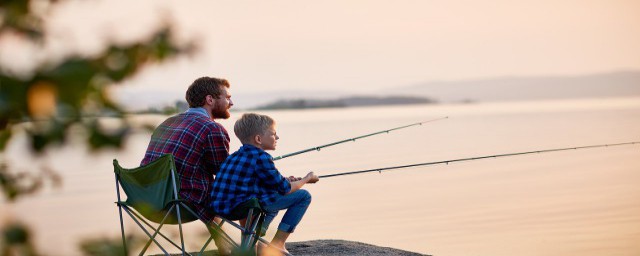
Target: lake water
(578, 202)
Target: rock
(341, 247)
(334, 247)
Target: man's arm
(217, 147)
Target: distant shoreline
(354, 101)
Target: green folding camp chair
(152, 191)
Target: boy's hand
(293, 178)
(311, 178)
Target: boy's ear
(258, 139)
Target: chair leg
(154, 229)
(249, 235)
(258, 229)
(225, 235)
(155, 233)
(247, 230)
(214, 228)
(152, 238)
(254, 229)
(124, 240)
(146, 232)
(180, 228)
(205, 245)
(217, 230)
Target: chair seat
(156, 216)
(241, 211)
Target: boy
(250, 173)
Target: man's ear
(209, 99)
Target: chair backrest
(150, 188)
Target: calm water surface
(584, 202)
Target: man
(198, 143)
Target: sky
(351, 46)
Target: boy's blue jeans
(296, 204)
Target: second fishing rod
(379, 170)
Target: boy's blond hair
(250, 125)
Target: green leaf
(5, 135)
(16, 234)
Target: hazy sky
(362, 46)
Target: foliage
(16, 239)
(59, 97)
(71, 92)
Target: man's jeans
(296, 204)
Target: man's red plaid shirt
(199, 146)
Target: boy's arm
(296, 185)
(269, 177)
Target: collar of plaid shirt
(198, 110)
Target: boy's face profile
(268, 139)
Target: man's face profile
(222, 104)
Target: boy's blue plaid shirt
(247, 173)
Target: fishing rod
(353, 139)
(474, 158)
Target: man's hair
(251, 124)
(201, 87)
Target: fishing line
(474, 158)
(354, 139)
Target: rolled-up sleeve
(270, 177)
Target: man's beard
(220, 112)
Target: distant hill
(355, 101)
(617, 84)
(614, 84)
